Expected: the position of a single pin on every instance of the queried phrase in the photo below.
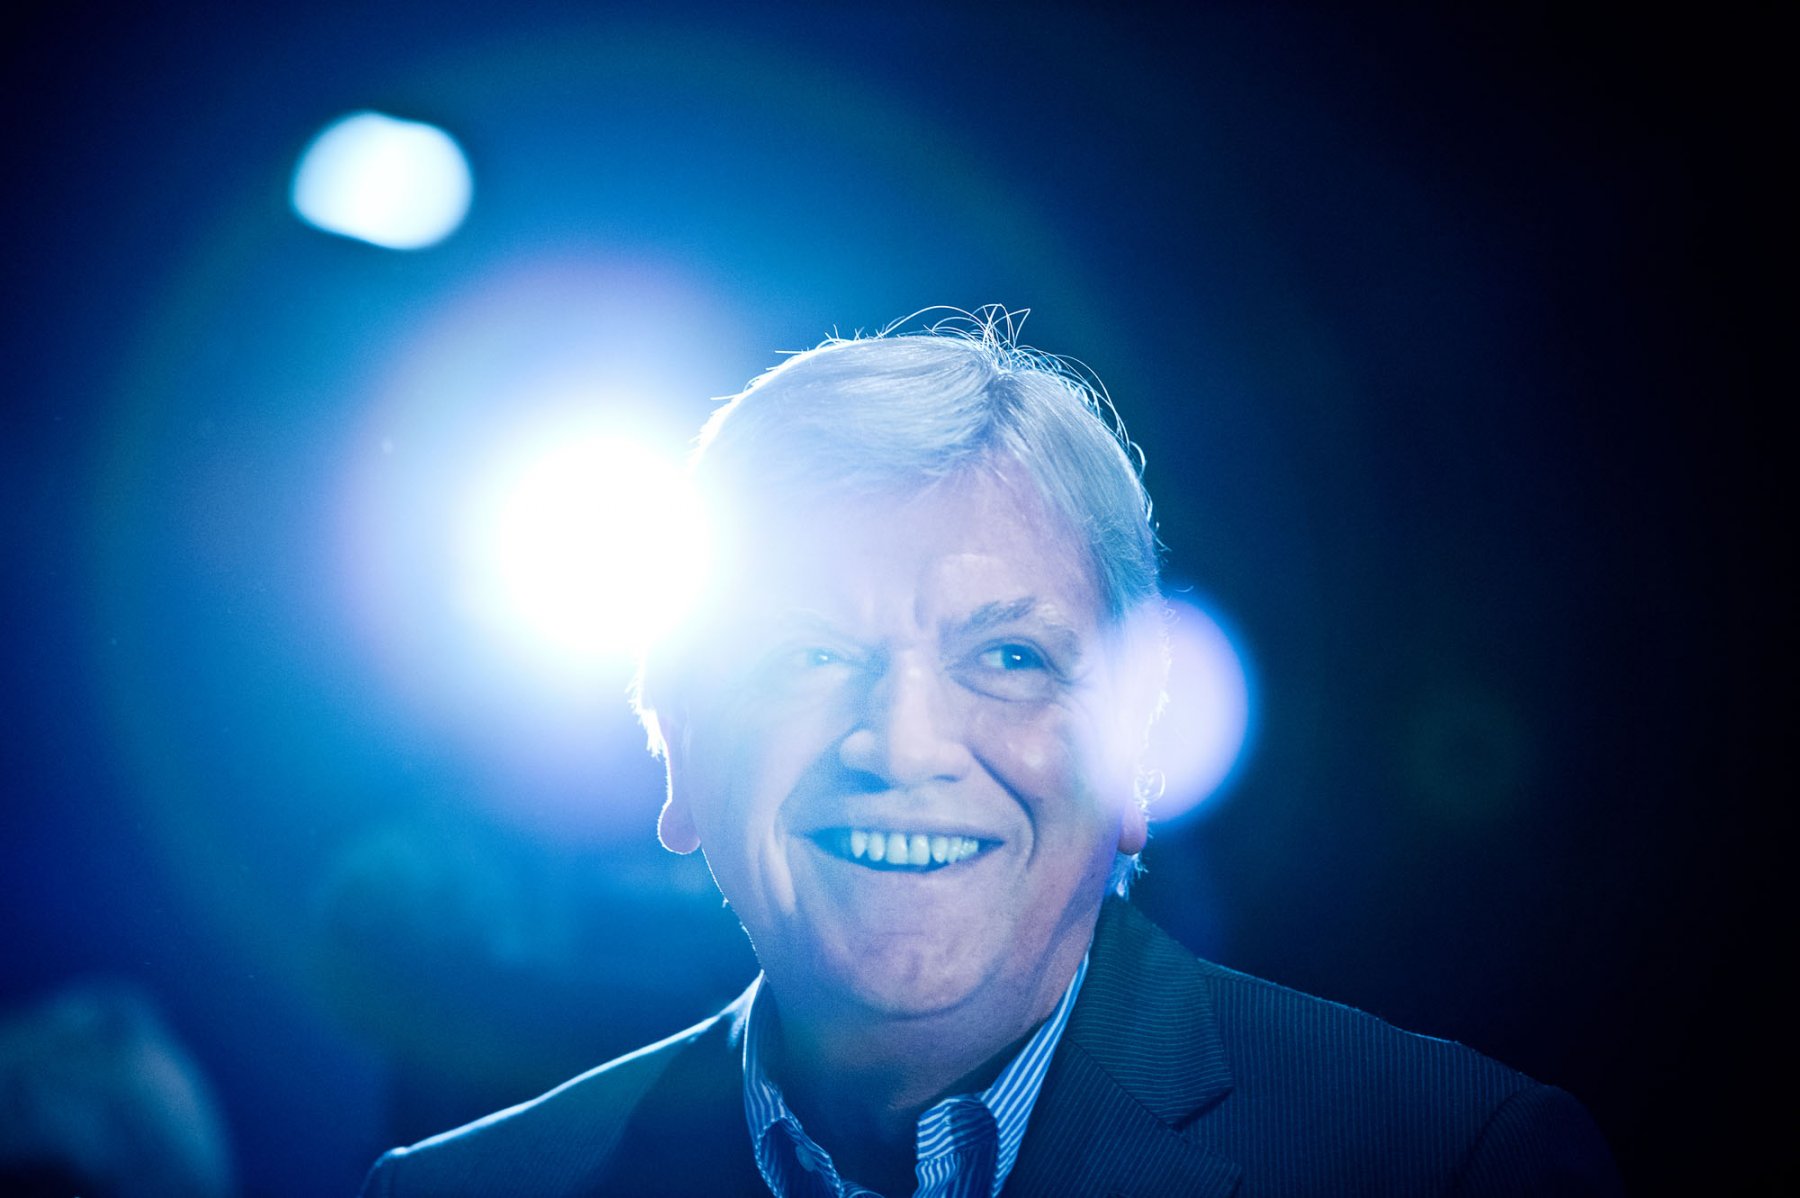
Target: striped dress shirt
(966, 1144)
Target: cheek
(1034, 751)
(749, 757)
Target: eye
(1012, 657)
(1014, 671)
(791, 667)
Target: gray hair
(898, 411)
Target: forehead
(977, 542)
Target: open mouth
(916, 852)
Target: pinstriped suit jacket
(1173, 1077)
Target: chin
(910, 981)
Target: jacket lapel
(687, 1136)
(1140, 1058)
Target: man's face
(899, 751)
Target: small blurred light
(398, 184)
(585, 548)
(1205, 727)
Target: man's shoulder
(1269, 1027)
(1456, 1118)
(1265, 1030)
(586, 1134)
(1250, 1079)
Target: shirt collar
(950, 1143)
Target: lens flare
(1205, 729)
(585, 547)
(398, 184)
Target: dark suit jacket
(1173, 1077)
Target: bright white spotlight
(1204, 729)
(586, 547)
(398, 184)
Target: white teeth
(910, 848)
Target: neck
(859, 1082)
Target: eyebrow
(996, 615)
(805, 621)
(986, 618)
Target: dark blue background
(1441, 334)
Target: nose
(909, 732)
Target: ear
(1134, 828)
(675, 826)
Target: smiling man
(904, 729)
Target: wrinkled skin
(938, 665)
